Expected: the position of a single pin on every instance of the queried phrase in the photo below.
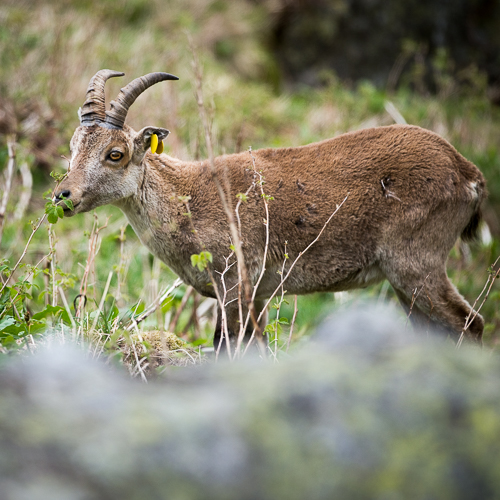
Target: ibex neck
(156, 211)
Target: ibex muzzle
(410, 195)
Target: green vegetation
(48, 54)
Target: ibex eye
(115, 155)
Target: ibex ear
(143, 138)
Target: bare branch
(242, 270)
(293, 265)
(157, 302)
(8, 181)
(93, 248)
(292, 324)
(302, 253)
(492, 276)
(264, 259)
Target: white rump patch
(486, 237)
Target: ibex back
(410, 195)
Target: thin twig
(139, 367)
(93, 249)
(28, 276)
(278, 309)
(152, 308)
(193, 318)
(264, 258)
(292, 324)
(8, 181)
(224, 328)
(414, 297)
(173, 324)
(493, 275)
(242, 270)
(121, 269)
(25, 196)
(395, 114)
(293, 265)
(220, 301)
(53, 262)
(35, 229)
(101, 304)
(302, 253)
(243, 325)
(68, 310)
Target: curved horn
(115, 117)
(94, 107)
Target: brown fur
(410, 196)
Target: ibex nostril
(63, 194)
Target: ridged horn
(115, 117)
(94, 108)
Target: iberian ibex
(410, 195)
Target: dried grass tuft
(147, 353)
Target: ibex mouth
(68, 212)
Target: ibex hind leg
(419, 319)
(433, 304)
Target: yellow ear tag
(154, 143)
(159, 150)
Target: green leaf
(8, 340)
(269, 329)
(4, 323)
(69, 204)
(58, 176)
(15, 329)
(56, 311)
(60, 211)
(5, 295)
(114, 312)
(37, 326)
(201, 260)
(50, 210)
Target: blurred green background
(276, 73)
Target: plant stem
(8, 181)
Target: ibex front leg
(228, 328)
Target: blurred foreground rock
(372, 412)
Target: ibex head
(106, 154)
